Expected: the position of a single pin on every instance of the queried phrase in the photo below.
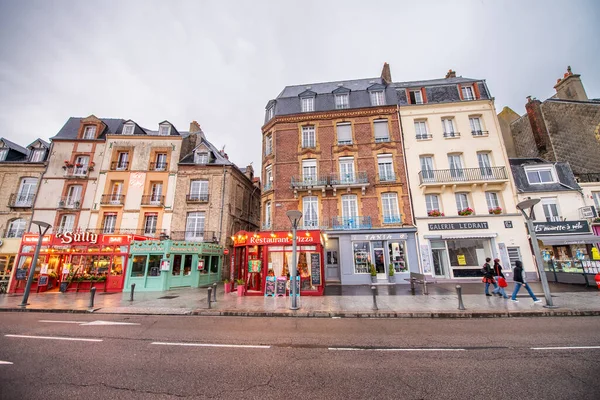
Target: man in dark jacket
(520, 281)
(488, 276)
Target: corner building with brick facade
(334, 152)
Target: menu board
(315, 268)
(21, 274)
(280, 286)
(43, 280)
(270, 286)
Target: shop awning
(560, 240)
(470, 236)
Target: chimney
(195, 128)
(386, 75)
(570, 87)
(538, 126)
(250, 172)
(451, 74)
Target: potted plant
(227, 285)
(495, 210)
(466, 211)
(91, 166)
(373, 273)
(596, 220)
(435, 213)
(240, 287)
(391, 276)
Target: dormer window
(342, 101)
(89, 132)
(3, 154)
(467, 93)
(201, 158)
(377, 98)
(540, 175)
(37, 155)
(128, 129)
(308, 104)
(270, 113)
(416, 97)
(164, 130)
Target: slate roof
(216, 158)
(563, 170)
(71, 128)
(15, 147)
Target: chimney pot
(451, 74)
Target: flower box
(435, 213)
(466, 211)
(495, 210)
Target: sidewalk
(348, 301)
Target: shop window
(176, 269)
(153, 268)
(205, 266)
(117, 266)
(214, 264)
(398, 256)
(187, 265)
(362, 257)
(138, 265)
(466, 252)
(6, 263)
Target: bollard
(412, 286)
(215, 292)
(461, 306)
(132, 289)
(209, 294)
(92, 294)
(374, 290)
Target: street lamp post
(524, 206)
(34, 262)
(294, 216)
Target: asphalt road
(162, 357)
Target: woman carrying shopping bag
(500, 279)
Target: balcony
(119, 166)
(14, 233)
(309, 225)
(69, 203)
(112, 199)
(388, 178)
(149, 232)
(382, 139)
(463, 175)
(268, 186)
(77, 172)
(348, 223)
(451, 135)
(153, 200)
(392, 219)
(158, 166)
(197, 198)
(356, 180)
(479, 133)
(424, 136)
(21, 200)
(195, 236)
(308, 183)
(267, 226)
(587, 178)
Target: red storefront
(78, 260)
(262, 254)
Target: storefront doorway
(181, 272)
(332, 264)
(440, 263)
(379, 259)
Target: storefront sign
(70, 237)
(315, 268)
(381, 236)
(458, 226)
(561, 227)
(33, 239)
(508, 224)
(165, 265)
(21, 274)
(281, 240)
(200, 265)
(462, 260)
(270, 286)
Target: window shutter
(381, 129)
(344, 133)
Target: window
(467, 93)
(268, 144)
(26, 192)
(268, 177)
(455, 163)
(427, 172)
(122, 161)
(308, 104)
(381, 130)
(201, 158)
(347, 170)
(462, 201)
(309, 170)
(199, 190)
(596, 197)
(66, 224)
(16, 228)
(268, 215)
(550, 207)
(3, 154)
(540, 175)
(89, 132)
(115, 193)
(342, 101)
(344, 133)
(349, 210)
(391, 215)
(164, 130)
(362, 257)
(308, 136)
(421, 130)
(310, 212)
(38, 155)
(109, 223)
(138, 266)
(270, 112)
(128, 129)
(81, 165)
(150, 222)
(153, 268)
(377, 98)
(485, 164)
(475, 123)
(194, 226)
(161, 162)
(386, 168)
(416, 97)
(467, 253)
(514, 254)
(432, 202)
(156, 192)
(73, 196)
(493, 202)
(448, 125)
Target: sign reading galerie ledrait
(448, 226)
(561, 227)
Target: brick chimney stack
(386, 75)
(194, 127)
(451, 74)
(570, 87)
(538, 126)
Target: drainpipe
(222, 203)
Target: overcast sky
(219, 62)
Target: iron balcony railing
(589, 177)
(268, 186)
(77, 172)
(197, 198)
(451, 134)
(349, 179)
(159, 166)
(463, 175)
(14, 233)
(153, 200)
(308, 181)
(309, 225)
(71, 203)
(479, 133)
(392, 219)
(112, 230)
(267, 226)
(424, 136)
(382, 139)
(21, 200)
(113, 199)
(119, 166)
(345, 223)
(387, 178)
(194, 235)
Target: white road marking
(364, 349)
(565, 348)
(5, 363)
(55, 338)
(92, 323)
(62, 322)
(239, 346)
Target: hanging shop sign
(254, 265)
(561, 227)
(458, 226)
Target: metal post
(132, 290)
(412, 286)
(539, 262)
(92, 294)
(215, 292)
(294, 269)
(34, 262)
(209, 294)
(461, 306)
(374, 292)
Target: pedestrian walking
(488, 276)
(520, 281)
(500, 279)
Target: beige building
(463, 198)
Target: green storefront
(166, 264)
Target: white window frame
(432, 203)
(310, 208)
(551, 214)
(199, 189)
(122, 161)
(421, 131)
(73, 195)
(492, 199)
(268, 211)
(448, 127)
(164, 130)
(484, 159)
(418, 96)
(111, 226)
(16, 228)
(455, 164)
(161, 162)
(476, 125)
(347, 172)
(342, 101)
(385, 166)
(427, 168)
(537, 170)
(26, 193)
(128, 129)
(596, 198)
(150, 224)
(37, 155)
(67, 223)
(3, 154)
(89, 132)
(201, 157)
(156, 190)
(309, 170)
(462, 201)
(195, 224)
(270, 113)
(268, 177)
(308, 104)
(349, 206)
(84, 161)
(268, 144)
(346, 128)
(381, 126)
(391, 211)
(468, 93)
(309, 136)
(377, 97)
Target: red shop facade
(78, 261)
(262, 254)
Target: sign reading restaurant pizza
(458, 226)
(561, 227)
